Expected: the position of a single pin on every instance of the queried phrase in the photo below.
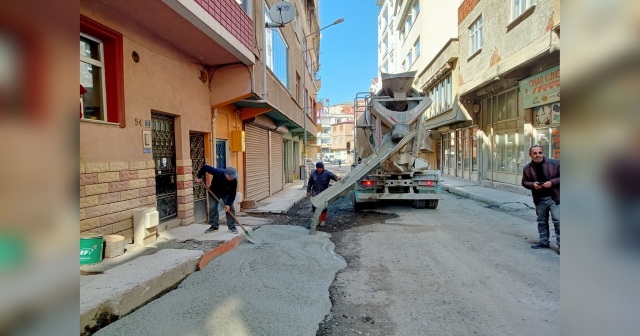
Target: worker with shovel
(224, 183)
(319, 182)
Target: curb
(121, 290)
(466, 194)
(218, 251)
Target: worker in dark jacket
(319, 182)
(542, 176)
(224, 184)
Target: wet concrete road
(464, 268)
(461, 269)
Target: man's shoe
(234, 230)
(322, 223)
(210, 230)
(539, 246)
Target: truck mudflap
(362, 197)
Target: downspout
(264, 54)
(213, 138)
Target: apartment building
(509, 82)
(171, 85)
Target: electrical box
(236, 141)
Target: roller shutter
(257, 154)
(276, 163)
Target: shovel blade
(253, 239)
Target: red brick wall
(231, 16)
(465, 8)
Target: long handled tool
(250, 238)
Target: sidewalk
(283, 200)
(498, 198)
(116, 286)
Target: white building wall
(386, 28)
(435, 24)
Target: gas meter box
(236, 141)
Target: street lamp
(304, 92)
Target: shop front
(515, 119)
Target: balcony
(214, 32)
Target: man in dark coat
(542, 176)
(224, 184)
(319, 182)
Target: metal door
(257, 158)
(196, 142)
(221, 154)
(164, 156)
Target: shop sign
(547, 114)
(541, 89)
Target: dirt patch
(191, 244)
(340, 216)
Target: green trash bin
(91, 248)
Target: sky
(348, 58)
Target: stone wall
(185, 191)
(110, 191)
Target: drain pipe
(213, 138)
(264, 54)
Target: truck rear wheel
(419, 204)
(356, 206)
(432, 204)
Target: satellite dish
(282, 12)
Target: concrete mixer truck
(389, 136)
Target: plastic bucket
(91, 248)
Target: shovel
(250, 238)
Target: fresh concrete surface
(123, 288)
(196, 232)
(283, 200)
(277, 288)
(460, 269)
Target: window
(297, 87)
(408, 22)
(416, 7)
(446, 150)
(92, 78)
(409, 59)
(245, 4)
(402, 33)
(101, 72)
(296, 25)
(385, 67)
(404, 66)
(475, 37)
(474, 149)
(416, 47)
(520, 6)
(459, 150)
(503, 107)
(441, 96)
(385, 43)
(276, 55)
(341, 139)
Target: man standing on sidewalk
(542, 176)
(224, 184)
(319, 182)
